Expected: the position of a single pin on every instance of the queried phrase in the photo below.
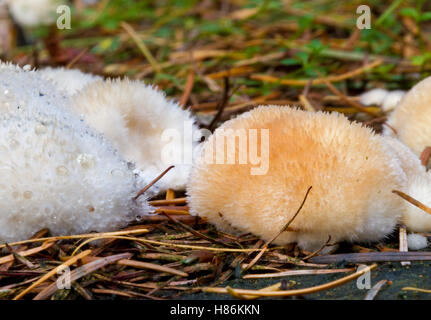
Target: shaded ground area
(417, 275)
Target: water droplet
(86, 160)
(28, 194)
(62, 171)
(48, 209)
(13, 144)
(117, 173)
(40, 129)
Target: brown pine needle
(152, 266)
(188, 88)
(286, 226)
(172, 211)
(153, 182)
(338, 78)
(296, 273)
(416, 289)
(81, 272)
(372, 293)
(54, 271)
(79, 236)
(413, 201)
(425, 156)
(29, 252)
(177, 201)
(141, 45)
(353, 103)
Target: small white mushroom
(412, 118)
(417, 241)
(387, 100)
(143, 125)
(392, 99)
(70, 81)
(373, 97)
(34, 13)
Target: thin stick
(296, 273)
(152, 182)
(286, 226)
(141, 45)
(194, 232)
(221, 105)
(311, 255)
(425, 156)
(338, 78)
(76, 59)
(403, 246)
(79, 236)
(166, 202)
(353, 103)
(416, 289)
(166, 244)
(188, 88)
(53, 272)
(306, 103)
(171, 211)
(413, 201)
(152, 266)
(29, 252)
(375, 290)
(81, 272)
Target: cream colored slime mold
(352, 172)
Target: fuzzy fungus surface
(351, 170)
(70, 81)
(56, 172)
(412, 118)
(144, 126)
(418, 186)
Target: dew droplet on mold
(62, 171)
(86, 160)
(28, 194)
(117, 173)
(13, 144)
(40, 129)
